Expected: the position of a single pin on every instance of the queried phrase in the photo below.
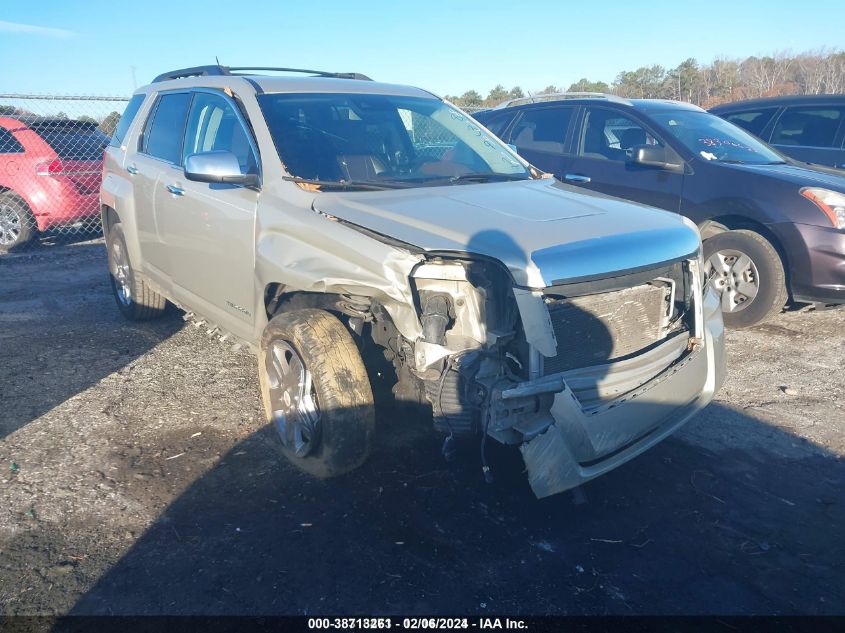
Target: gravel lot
(137, 477)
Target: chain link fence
(431, 139)
(51, 155)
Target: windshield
(713, 138)
(383, 141)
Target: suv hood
(800, 174)
(544, 232)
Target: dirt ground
(137, 478)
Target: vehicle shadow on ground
(680, 529)
(47, 242)
(48, 356)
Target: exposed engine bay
(476, 366)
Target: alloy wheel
(10, 225)
(121, 273)
(293, 399)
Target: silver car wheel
(292, 398)
(121, 273)
(734, 276)
(10, 225)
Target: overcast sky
(447, 47)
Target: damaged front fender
(311, 252)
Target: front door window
(608, 135)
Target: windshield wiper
(486, 177)
(347, 184)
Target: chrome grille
(595, 329)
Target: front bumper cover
(584, 443)
(816, 257)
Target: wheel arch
(374, 324)
(25, 198)
(109, 217)
(277, 299)
(720, 224)
(29, 222)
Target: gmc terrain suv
(311, 217)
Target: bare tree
(811, 72)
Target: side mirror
(652, 156)
(218, 166)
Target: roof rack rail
(560, 96)
(217, 70)
(195, 71)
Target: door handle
(132, 169)
(176, 191)
(576, 178)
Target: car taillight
(50, 168)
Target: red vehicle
(50, 172)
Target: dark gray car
(773, 228)
(808, 128)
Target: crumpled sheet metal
(313, 253)
(551, 467)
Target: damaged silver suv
(313, 216)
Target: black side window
(808, 126)
(754, 121)
(497, 123)
(542, 129)
(612, 136)
(126, 120)
(8, 143)
(163, 136)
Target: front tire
(316, 392)
(135, 299)
(747, 272)
(17, 224)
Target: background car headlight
(832, 203)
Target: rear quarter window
(8, 143)
(126, 120)
(496, 123)
(753, 121)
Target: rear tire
(17, 224)
(316, 392)
(747, 271)
(135, 299)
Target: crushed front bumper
(587, 441)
